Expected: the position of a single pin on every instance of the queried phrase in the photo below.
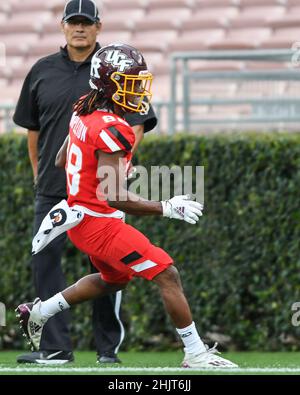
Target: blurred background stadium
(262, 32)
(219, 65)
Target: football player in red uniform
(98, 152)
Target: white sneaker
(31, 322)
(207, 359)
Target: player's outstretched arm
(61, 157)
(112, 173)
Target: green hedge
(239, 266)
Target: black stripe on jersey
(120, 137)
(133, 256)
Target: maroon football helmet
(119, 72)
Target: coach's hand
(183, 208)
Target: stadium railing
(6, 113)
(199, 97)
(265, 102)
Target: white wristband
(167, 208)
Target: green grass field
(156, 363)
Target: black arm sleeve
(26, 113)
(149, 121)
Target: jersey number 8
(73, 169)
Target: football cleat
(47, 357)
(108, 358)
(206, 360)
(31, 322)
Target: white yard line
(136, 369)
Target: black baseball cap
(85, 8)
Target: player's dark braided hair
(91, 102)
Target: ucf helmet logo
(94, 67)
(118, 59)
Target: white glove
(183, 208)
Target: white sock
(191, 339)
(53, 305)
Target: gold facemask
(133, 91)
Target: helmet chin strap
(145, 107)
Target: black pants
(49, 279)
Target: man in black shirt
(44, 108)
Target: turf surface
(156, 363)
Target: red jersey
(87, 134)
